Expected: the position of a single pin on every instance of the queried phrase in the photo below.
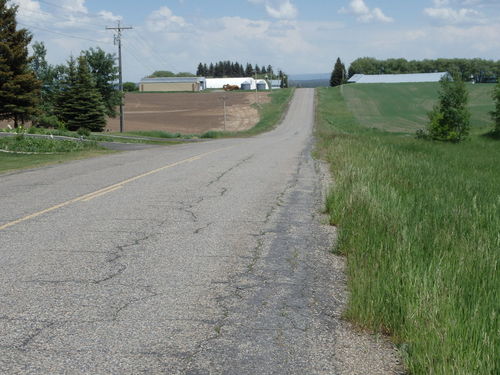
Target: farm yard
(189, 113)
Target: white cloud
(452, 12)
(450, 15)
(282, 9)
(30, 10)
(364, 13)
(163, 19)
(109, 16)
(285, 10)
(73, 6)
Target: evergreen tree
(450, 118)
(19, 88)
(338, 74)
(496, 113)
(80, 105)
(199, 70)
(249, 70)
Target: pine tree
(338, 74)
(80, 105)
(249, 70)
(199, 70)
(19, 88)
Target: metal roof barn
(397, 78)
(172, 84)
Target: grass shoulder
(11, 161)
(418, 222)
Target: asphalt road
(204, 258)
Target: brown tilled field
(189, 113)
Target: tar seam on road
(109, 189)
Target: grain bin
(261, 86)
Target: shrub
(48, 121)
(450, 118)
(83, 131)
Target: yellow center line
(108, 189)
(101, 193)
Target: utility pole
(224, 98)
(118, 39)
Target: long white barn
(218, 83)
(397, 78)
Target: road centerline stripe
(108, 189)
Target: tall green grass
(419, 223)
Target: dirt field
(189, 113)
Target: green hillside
(403, 107)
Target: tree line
(479, 70)
(235, 69)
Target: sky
(296, 36)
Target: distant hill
(309, 80)
(309, 77)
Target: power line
(63, 34)
(65, 19)
(154, 50)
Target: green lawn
(419, 222)
(9, 162)
(403, 107)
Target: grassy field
(27, 152)
(419, 223)
(403, 107)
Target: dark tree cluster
(79, 94)
(479, 70)
(19, 88)
(233, 69)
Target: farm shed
(218, 83)
(397, 78)
(172, 84)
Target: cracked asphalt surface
(216, 264)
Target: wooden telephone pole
(118, 39)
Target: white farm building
(397, 78)
(242, 83)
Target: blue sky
(297, 36)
